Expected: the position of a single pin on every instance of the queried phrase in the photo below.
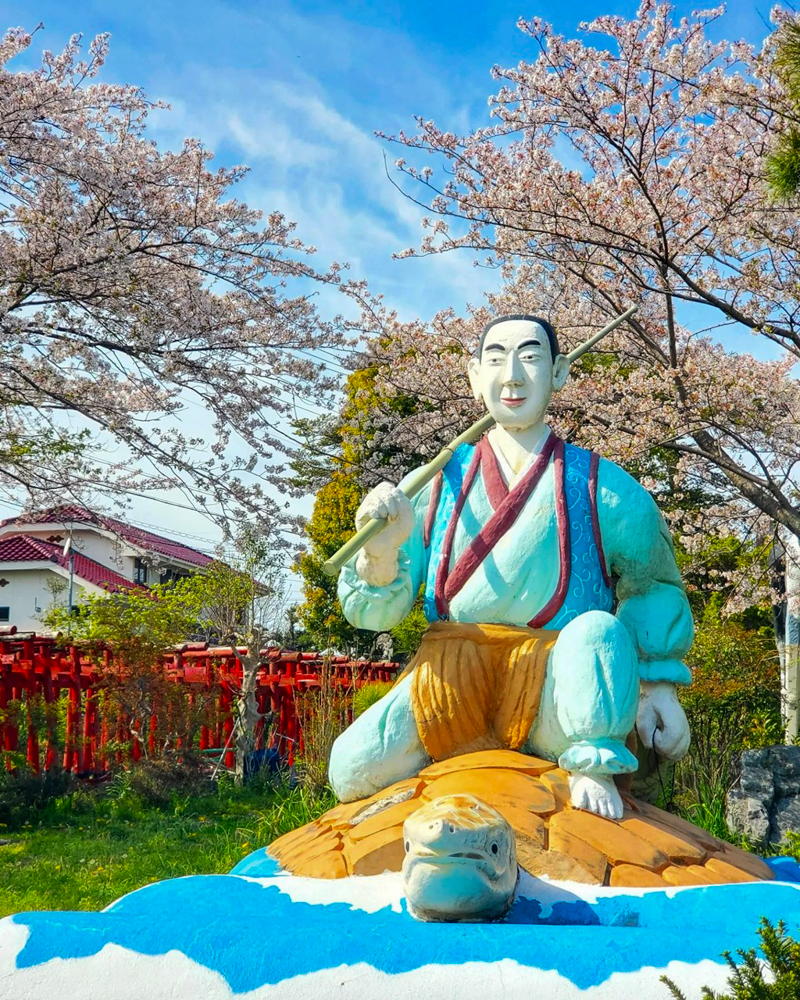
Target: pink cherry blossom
(629, 167)
(134, 289)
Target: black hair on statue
(548, 329)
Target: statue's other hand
(661, 721)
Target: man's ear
(560, 371)
(474, 373)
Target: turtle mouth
(489, 867)
(426, 854)
(461, 886)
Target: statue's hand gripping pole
(420, 479)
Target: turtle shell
(647, 848)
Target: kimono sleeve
(652, 601)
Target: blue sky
(296, 90)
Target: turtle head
(460, 861)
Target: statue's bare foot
(597, 795)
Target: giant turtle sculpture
(647, 848)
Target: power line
(328, 363)
(170, 503)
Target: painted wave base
(596, 913)
(267, 935)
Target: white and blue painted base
(260, 934)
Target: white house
(106, 555)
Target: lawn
(83, 849)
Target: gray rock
(785, 763)
(785, 818)
(764, 801)
(750, 799)
(748, 816)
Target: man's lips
(512, 400)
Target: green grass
(85, 849)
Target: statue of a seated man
(525, 545)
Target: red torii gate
(38, 671)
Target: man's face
(515, 375)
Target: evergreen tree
(783, 165)
(333, 463)
(346, 457)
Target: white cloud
(321, 169)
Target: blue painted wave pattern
(583, 942)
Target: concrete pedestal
(263, 935)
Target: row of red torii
(63, 704)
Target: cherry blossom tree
(140, 301)
(634, 170)
(243, 601)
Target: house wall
(27, 596)
(112, 552)
(108, 551)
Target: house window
(5, 614)
(172, 574)
(139, 571)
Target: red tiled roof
(26, 548)
(147, 540)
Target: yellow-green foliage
(330, 526)
(408, 634)
(140, 624)
(783, 163)
(334, 514)
(733, 703)
(332, 523)
(368, 695)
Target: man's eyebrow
(494, 347)
(529, 343)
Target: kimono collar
(508, 505)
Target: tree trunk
(247, 706)
(790, 660)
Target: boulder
(764, 801)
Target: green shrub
(747, 980)
(368, 695)
(408, 634)
(732, 705)
(24, 795)
(160, 781)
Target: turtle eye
(407, 845)
(494, 848)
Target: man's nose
(512, 373)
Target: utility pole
(790, 660)
(69, 549)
